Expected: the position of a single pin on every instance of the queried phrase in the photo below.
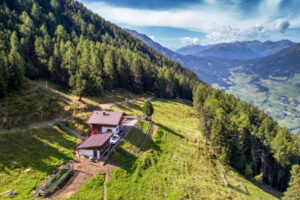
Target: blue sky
(177, 23)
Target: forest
(246, 138)
(68, 44)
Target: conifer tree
(148, 109)
(2, 87)
(16, 64)
(110, 70)
(292, 193)
(36, 11)
(137, 73)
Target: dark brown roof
(105, 117)
(95, 140)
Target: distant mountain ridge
(156, 46)
(192, 62)
(284, 63)
(237, 50)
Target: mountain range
(237, 50)
(265, 74)
(212, 63)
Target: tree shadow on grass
(170, 130)
(128, 162)
(124, 108)
(134, 106)
(135, 137)
(29, 151)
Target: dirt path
(84, 169)
(107, 177)
(42, 124)
(109, 105)
(155, 127)
(36, 125)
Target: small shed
(96, 145)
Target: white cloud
(204, 18)
(229, 34)
(189, 40)
(152, 37)
(281, 25)
(221, 24)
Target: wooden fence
(44, 191)
(146, 137)
(69, 131)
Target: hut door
(95, 154)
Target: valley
(277, 96)
(242, 68)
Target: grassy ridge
(29, 105)
(41, 150)
(179, 165)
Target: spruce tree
(293, 191)
(36, 11)
(148, 109)
(137, 73)
(110, 70)
(16, 64)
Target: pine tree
(137, 73)
(40, 52)
(123, 72)
(36, 12)
(293, 191)
(55, 4)
(16, 64)
(148, 109)
(2, 87)
(69, 58)
(3, 74)
(110, 70)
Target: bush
(258, 178)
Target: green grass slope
(40, 150)
(30, 104)
(178, 166)
(92, 189)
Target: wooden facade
(100, 148)
(98, 127)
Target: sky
(178, 23)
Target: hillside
(237, 50)
(201, 66)
(271, 83)
(68, 44)
(284, 63)
(88, 58)
(179, 165)
(249, 80)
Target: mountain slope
(156, 46)
(272, 84)
(249, 79)
(201, 66)
(179, 165)
(237, 50)
(284, 63)
(64, 41)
